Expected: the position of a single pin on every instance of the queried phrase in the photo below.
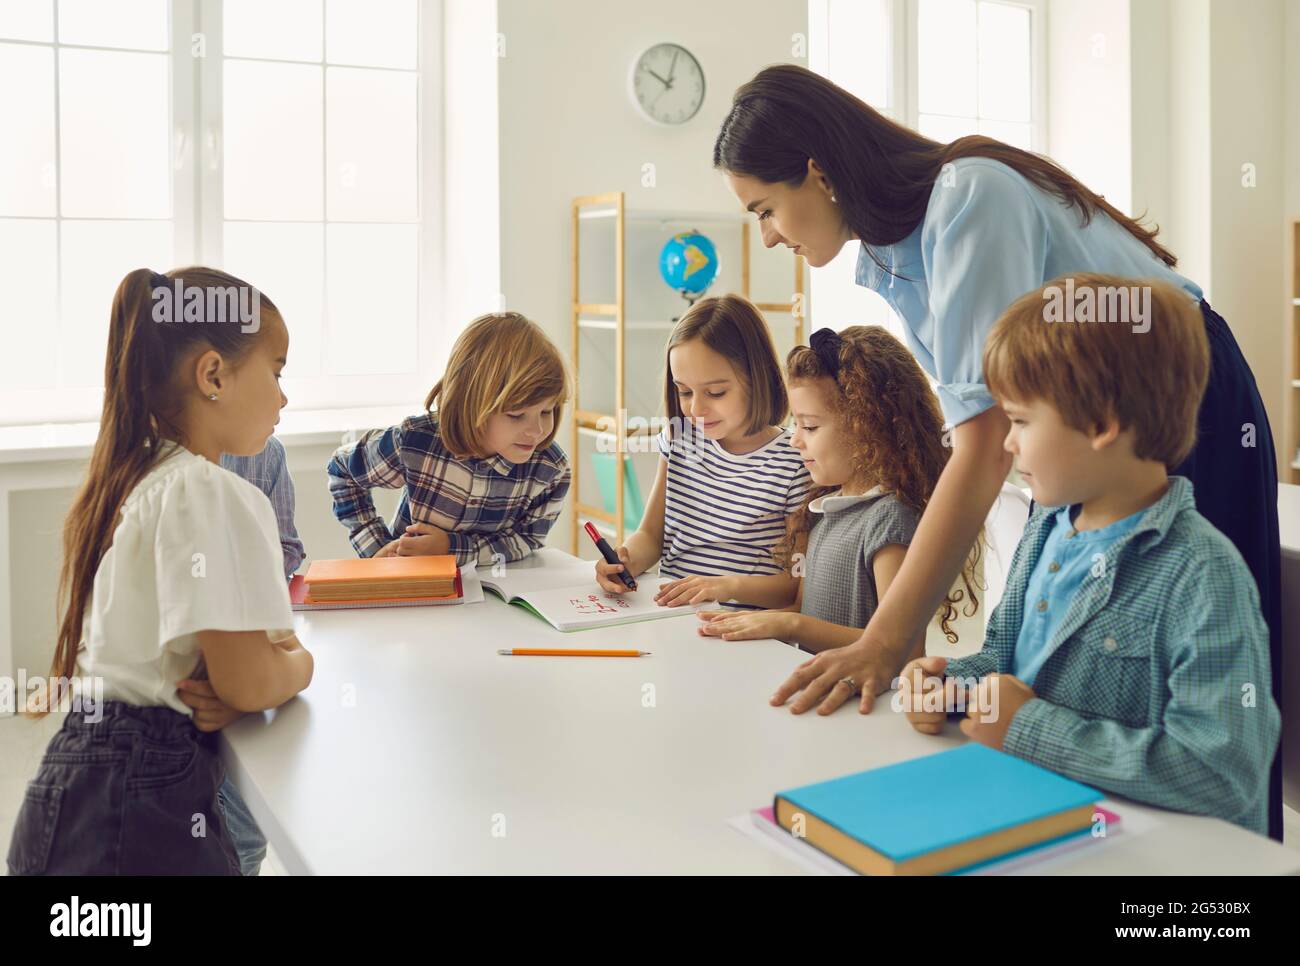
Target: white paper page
(471, 588)
(586, 605)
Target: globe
(688, 264)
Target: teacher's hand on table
(835, 676)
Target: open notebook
(562, 591)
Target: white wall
(1209, 97)
(471, 171)
(1088, 94)
(1291, 208)
(1247, 240)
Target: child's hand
(693, 590)
(607, 573)
(990, 709)
(754, 625)
(387, 550)
(917, 684)
(423, 540)
(210, 712)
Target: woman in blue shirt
(950, 235)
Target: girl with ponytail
(170, 565)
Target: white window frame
(327, 391)
(907, 58)
(198, 214)
(65, 404)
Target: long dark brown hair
(890, 417)
(882, 172)
(140, 408)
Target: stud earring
(212, 396)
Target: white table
(416, 743)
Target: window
(946, 68)
(85, 188)
(975, 70)
(291, 143)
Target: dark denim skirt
(128, 791)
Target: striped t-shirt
(723, 513)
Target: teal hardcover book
(937, 813)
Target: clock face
(668, 84)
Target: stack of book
(947, 812)
(377, 582)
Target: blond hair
(502, 361)
(1093, 367)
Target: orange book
(382, 578)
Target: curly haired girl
(871, 434)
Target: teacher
(950, 235)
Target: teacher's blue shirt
(988, 237)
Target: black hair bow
(826, 344)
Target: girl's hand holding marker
(616, 565)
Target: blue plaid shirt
(1157, 686)
(487, 506)
(267, 471)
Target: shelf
(588, 433)
(590, 420)
(612, 325)
(663, 217)
(596, 513)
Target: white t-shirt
(196, 548)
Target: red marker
(608, 553)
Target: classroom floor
(22, 742)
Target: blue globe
(688, 263)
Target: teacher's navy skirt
(1236, 490)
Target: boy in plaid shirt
(1129, 651)
(481, 475)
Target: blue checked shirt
(487, 506)
(268, 472)
(1157, 685)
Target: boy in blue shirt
(1129, 651)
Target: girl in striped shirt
(729, 478)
